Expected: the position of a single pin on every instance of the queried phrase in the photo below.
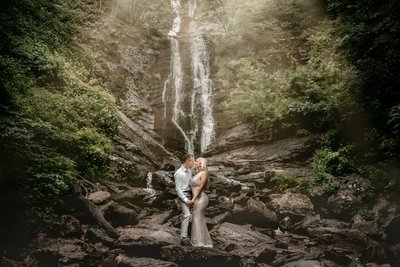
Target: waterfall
(177, 76)
(176, 27)
(192, 111)
(203, 84)
(192, 8)
(150, 190)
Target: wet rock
(142, 248)
(238, 148)
(338, 257)
(305, 263)
(198, 256)
(99, 197)
(340, 237)
(60, 251)
(98, 235)
(308, 222)
(160, 234)
(240, 236)
(349, 195)
(280, 244)
(157, 218)
(162, 181)
(240, 199)
(216, 220)
(224, 203)
(134, 196)
(369, 228)
(225, 185)
(168, 167)
(256, 213)
(250, 176)
(294, 205)
(385, 210)
(125, 261)
(287, 223)
(121, 216)
(319, 198)
(70, 226)
(135, 140)
(377, 252)
(140, 242)
(266, 256)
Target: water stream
(189, 88)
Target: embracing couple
(190, 190)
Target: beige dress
(199, 236)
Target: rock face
(292, 204)
(343, 203)
(255, 213)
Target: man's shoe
(185, 242)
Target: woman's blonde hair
(204, 167)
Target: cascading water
(192, 111)
(202, 88)
(149, 189)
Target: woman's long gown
(200, 235)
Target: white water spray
(203, 85)
(198, 122)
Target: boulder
(162, 181)
(121, 216)
(141, 242)
(228, 235)
(369, 228)
(157, 233)
(294, 205)
(349, 195)
(70, 226)
(125, 261)
(54, 252)
(385, 210)
(157, 218)
(340, 237)
(199, 256)
(256, 213)
(306, 263)
(95, 235)
(134, 196)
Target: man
(182, 186)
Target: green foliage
(308, 98)
(295, 71)
(366, 212)
(371, 39)
(329, 164)
(56, 120)
(296, 184)
(258, 97)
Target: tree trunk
(97, 214)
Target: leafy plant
(56, 122)
(296, 184)
(329, 164)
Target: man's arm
(178, 186)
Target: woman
(200, 235)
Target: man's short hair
(186, 157)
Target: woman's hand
(190, 202)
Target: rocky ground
(252, 222)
